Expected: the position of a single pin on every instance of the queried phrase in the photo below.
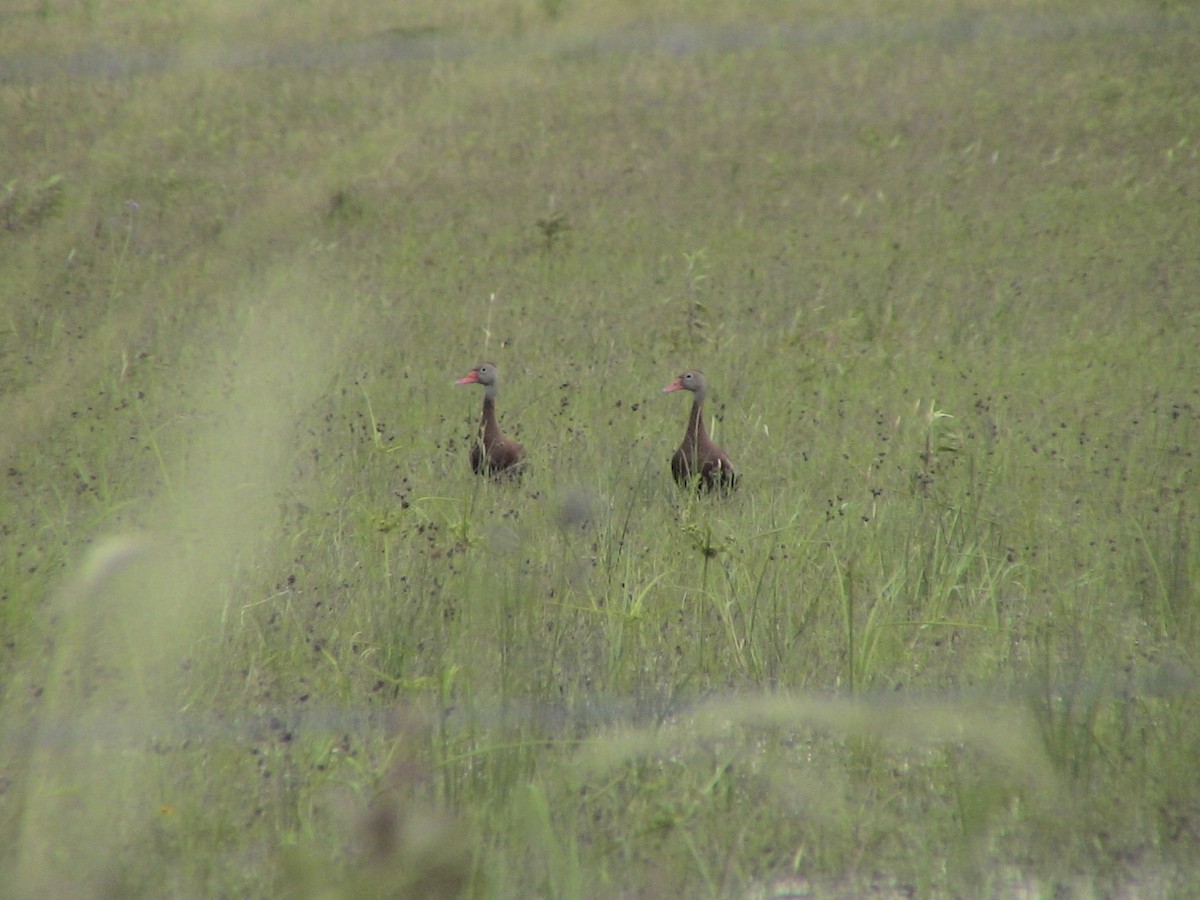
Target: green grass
(265, 635)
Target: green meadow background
(262, 632)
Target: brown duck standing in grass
(493, 453)
(698, 460)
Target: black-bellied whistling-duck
(493, 453)
(698, 460)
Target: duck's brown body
(493, 454)
(699, 460)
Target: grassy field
(264, 634)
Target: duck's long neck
(696, 432)
(489, 428)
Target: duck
(699, 461)
(493, 454)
